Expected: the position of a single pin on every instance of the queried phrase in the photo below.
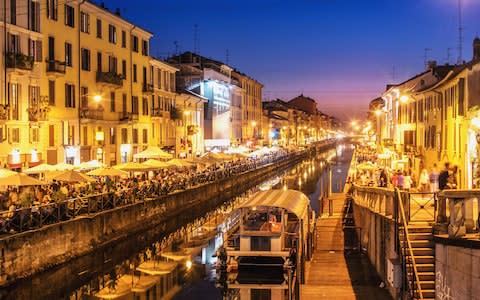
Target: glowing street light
(97, 98)
(404, 99)
(378, 112)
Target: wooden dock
(334, 273)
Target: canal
(168, 261)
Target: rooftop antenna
(449, 55)
(460, 31)
(228, 57)
(175, 43)
(425, 57)
(195, 39)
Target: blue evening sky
(340, 52)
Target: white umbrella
(64, 167)
(73, 176)
(20, 179)
(179, 163)
(153, 152)
(107, 172)
(6, 173)
(89, 165)
(133, 167)
(42, 168)
(156, 164)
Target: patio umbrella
(6, 173)
(153, 152)
(20, 179)
(179, 163)
(73, 176)
(64, 167)
(89, 165)
(366, 166)
(156, 164)
(42, 168)
(133, 167)
(107, 172)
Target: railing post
(468, 214)
(441, 209)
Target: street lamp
(97, 98)
(404, 99)
(254, 124)
(186, 113)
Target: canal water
(170, 262)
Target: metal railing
(17, 220)
(110, 78)
(91, 113)
(19, 61)
(409, 266)
(56, 66)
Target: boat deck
(333, 273)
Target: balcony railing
(91, 113)
(36, 114)
(111, 78)
(55, 66)
(128, 117)
(4, 110)
(147, 88)
(19, 61)
(157, 113)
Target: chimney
(431, 64)
(117, 11)
(476, 48)
(102, 4)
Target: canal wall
(376, 231)
(34, 251)
(457, 268)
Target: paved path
(334, 274)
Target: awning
(153, 152)
(294, 201)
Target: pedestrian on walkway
(433, 177)
(383, 179)
(407, 181)
(424, 181)
(443, 177)
(400, 180)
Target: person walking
(443, 177)
(424, 181)
(433, 177)
(383, 179)
(442, 184)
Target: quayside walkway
(336, 273)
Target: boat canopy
(294, 201)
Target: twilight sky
(340, 52)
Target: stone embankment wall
(457, 269)
(24, 254)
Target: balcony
(36, 114)
(56, 67)
(19, 61)
(128, 117)
(156, 113)
(93, 114)
(4, 110)
(111, 79)
(147, 88)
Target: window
(113, 135)
(99, 62)
(124, 69)
(35, 135)
(13, 100)
(52, 9)
(144, 106)
(68, 54)
(145, 48)
(13, 12)
(145, 136)
(33, 96)
(112, 101)
(124, 135)
(159, 78)
(112, 34)
(34, 16)
(51, 92)
(85, 59)
(84, 97)
(84, 22)
(13, 43)
(135, 105)
(124, 103)
(69, 15)
(124, 39)
(99, 28)
(134, 43)
(35, 49)
(69, 95)
(134, 73)
(15, 138)
(112, 64)
(85, 135)
(135, 136)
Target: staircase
(420, 234)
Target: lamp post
(254, 125)
(186, 113)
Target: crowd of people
(427, 181)
(32, 206)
